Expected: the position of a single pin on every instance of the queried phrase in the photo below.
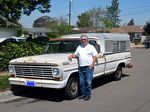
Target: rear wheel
(72, 88)
(118, 73)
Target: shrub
(4, 83)
(52, 35)
(42, 40)
(12, 51)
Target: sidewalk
(6, 96)
(137, 46)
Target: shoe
(81, 97)
(86, 98)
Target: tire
(118, 73)
(15, 87)
(72, 88)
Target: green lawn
(4, 83)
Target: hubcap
(74, 87)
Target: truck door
(100, 64)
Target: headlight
(55, 72)
(11, 69)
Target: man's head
(84, 40)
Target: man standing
(86, 54)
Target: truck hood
(53, 59)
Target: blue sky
(139, 10)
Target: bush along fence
(11, 51)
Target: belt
(83, 66)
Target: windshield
(62, 46)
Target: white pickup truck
(54, 70)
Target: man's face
(84, 41)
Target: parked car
(20, 39)
(5, 40)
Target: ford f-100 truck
(53, 69)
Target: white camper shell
(54, 70)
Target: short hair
(84, 36)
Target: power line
(135, 8)
(141, 12)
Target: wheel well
(122, 64)
(75, 74)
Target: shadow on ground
(54, 95)
(100, 81)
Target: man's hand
(91, 66)
(70, 57)
(100, 55)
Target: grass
(4, 83)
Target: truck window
(62, 46)
(94, 43)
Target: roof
(107, 36)
(127, 29)
(38, 30)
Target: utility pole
(70, 12)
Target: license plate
(30, 83)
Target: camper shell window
(119, 46)
(116, 46)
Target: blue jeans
(86, 76)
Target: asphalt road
(130, 94)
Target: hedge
(11, 51)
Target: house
(134, 31)
(38, 31)
(87, 29)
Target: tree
(3, 23)
(60, 27)
(147, 27)
(97, 16)
(13, 9)
(107, 23)
(84, 20)
(113, 13)
(44, 21)
(131, 22)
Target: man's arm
(72, 56)
(93, 62)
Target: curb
(6, 93)
(8, 96)
(137, 46)
(5, 96)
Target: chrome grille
(34, 71)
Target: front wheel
(72, 88)
(118, 73)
